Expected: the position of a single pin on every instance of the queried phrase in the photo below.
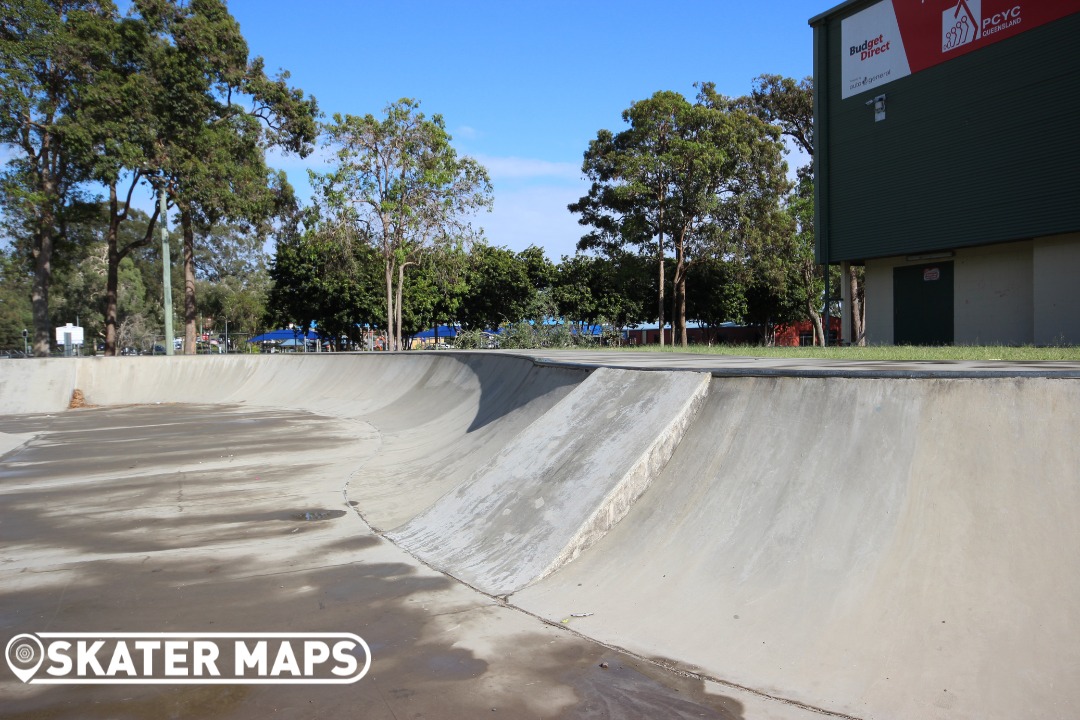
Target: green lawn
(883, 352)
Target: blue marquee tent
(445, 331)
(286, 334)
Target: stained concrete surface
(220, 518)
(860, 540)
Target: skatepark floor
(557, 535)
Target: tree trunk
(673, 313)
(400, 292)
(389, 300)
(858, 308)
(660, 306)
(39, 292)
(112, 278)
(679, 310)
(680, 296)
(189, 282)
(44, 241)
(115, 255)
(769, 333)
(815, 318)
(112, 283)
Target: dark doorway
(923, 304)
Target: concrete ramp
(561, 484)
(874, 548)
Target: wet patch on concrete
(317, 515)
(617, 683)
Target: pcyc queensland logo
(188, 658)
(960, 25)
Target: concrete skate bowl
(864, 547)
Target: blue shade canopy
(447, 331)
(279, 335)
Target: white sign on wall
(873, 51)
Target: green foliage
(786, 103)
(15, 311)
(715, 292)
(229, 251)
(617, 289)
(79, 282)
(326, 276)
(471, 340)
(532, 336)
(209, 118)
(503, 287)
(686, 179)
(231, 265)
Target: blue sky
(523, 87)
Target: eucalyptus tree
(400, 181)
(231, 277)
(120, 131)
(216, 112)
(788, 104)
(159, 96)
(83, 265)
(45, 53)
(633, 176)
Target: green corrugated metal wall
(980, 149)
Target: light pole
(166, 273)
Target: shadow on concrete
(106, 552)
(528, 383)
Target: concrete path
(871, 541)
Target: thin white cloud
(320, 160)
(535, 215)
(464, 132)
(517, 168)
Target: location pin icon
(24, 654)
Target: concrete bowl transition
(818, 540)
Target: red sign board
(935, 32)
(931, 274)
(894, 38)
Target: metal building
(947, 160)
